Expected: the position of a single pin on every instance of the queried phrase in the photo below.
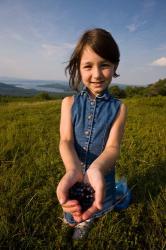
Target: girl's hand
(67, 181)
(95, 178)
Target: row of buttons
(83, 165)
(90, 116)
(87, 132)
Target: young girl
(91, 128)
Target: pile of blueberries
(84, 193)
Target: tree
(158, 88)
(43, 96)
(117, 92)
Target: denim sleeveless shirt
(92, 120)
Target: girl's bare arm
(66, 145)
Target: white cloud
(132, 27)
(160, 62)
(53, 49)
(50, 49)
(136, 24)
(69, 45)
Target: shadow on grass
(66, 241)
(147, 186)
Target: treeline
(158, 88)
(41, 96)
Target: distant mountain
(120, 85)
(10, 90)
(29, 87)
(56, 86)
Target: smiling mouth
(97, 83)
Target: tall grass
(31, 167)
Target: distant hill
(120, 85)
(10, 90)
(157, 88)
(13, 89)
(56, 86)
(154, 89)
(66, 87)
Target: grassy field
(31, 167)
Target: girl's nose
(97, 72)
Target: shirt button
(92, 102)
(87, 132)
(83, 165)
(89, 117)
(85, 148)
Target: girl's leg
(81, 229)
(68, 219)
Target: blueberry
(84, 193)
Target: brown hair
(102, 43)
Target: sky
(37, 37)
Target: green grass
(31, 167)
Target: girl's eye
(87, 67)
(105, 65)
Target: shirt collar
(105, 94)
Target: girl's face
(96, 72)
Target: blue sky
(38, 36)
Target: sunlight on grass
(31, 167)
